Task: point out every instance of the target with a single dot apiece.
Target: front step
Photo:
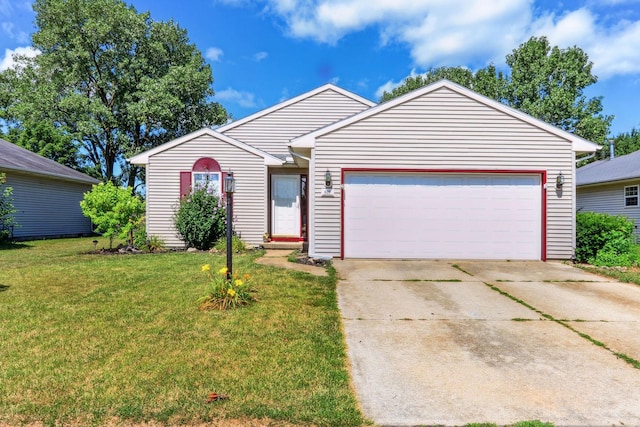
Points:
(285, 245)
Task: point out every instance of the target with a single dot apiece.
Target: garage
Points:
(480, 215)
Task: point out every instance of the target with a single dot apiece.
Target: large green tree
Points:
(113, 79)
(624, 143)
(543, 81)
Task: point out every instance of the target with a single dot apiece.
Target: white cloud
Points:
(9, 62)
(260, 56)
(468, 32)
(390, 85)
(244, 99)
(214, 54)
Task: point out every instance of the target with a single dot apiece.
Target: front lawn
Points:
(624, 274)
(95, 339)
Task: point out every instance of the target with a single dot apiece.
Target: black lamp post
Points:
(229, 189)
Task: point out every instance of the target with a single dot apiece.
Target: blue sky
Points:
(264, 51)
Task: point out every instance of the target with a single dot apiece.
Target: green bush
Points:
(200, 219)
(115, 211)
(605, 240)
(237, 245)
(7, 221)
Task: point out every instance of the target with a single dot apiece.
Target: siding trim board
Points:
(543, 191)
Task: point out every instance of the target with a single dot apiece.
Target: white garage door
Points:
(451, 216)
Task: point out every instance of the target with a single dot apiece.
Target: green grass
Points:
(86, 339)
(630, 275)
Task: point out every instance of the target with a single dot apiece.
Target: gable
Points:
(446, 107)
(272, 130)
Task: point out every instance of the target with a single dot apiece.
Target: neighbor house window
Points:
(631, 196)
(209, 180)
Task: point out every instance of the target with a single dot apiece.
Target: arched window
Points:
(205, 173)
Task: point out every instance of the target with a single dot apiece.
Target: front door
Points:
(285, 205)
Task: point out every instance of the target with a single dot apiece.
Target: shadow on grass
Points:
(9, 246)
(4, 287)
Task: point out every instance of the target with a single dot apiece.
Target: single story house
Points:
(611, 186)
(441, 172)
(46, 194)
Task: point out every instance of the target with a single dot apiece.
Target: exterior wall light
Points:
(327, 179)
(559, 181)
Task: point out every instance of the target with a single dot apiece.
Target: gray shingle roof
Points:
(616, 169)
(13, 157)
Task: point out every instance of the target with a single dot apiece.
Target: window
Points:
(209, 180)
(631, 196)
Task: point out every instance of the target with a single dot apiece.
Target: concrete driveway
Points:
(436, 343)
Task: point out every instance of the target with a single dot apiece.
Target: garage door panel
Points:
(442, 216)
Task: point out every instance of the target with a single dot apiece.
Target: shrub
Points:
(7, 221)
(115, 211)
(147, 243)
(225, 293)
(200, 219)
(237, 245)
(605, 240)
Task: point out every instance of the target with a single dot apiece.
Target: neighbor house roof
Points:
(608, 170)
(15, 158)
(578, 144)
(143, 158)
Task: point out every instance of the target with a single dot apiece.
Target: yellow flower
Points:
(231, 292)
(223, 270)
(246, 276)
(206, 267)
(239, 282)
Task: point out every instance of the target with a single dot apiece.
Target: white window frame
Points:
(634, 193)
(207, 178)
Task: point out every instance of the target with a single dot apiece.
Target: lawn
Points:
(94, 339)
(627, 275)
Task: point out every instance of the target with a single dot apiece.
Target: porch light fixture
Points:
(327, 179)
(559, 181)
(229, 189)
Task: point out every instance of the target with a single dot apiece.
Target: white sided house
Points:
(440, 172)
(46, 195)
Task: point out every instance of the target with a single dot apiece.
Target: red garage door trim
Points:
(543, 192)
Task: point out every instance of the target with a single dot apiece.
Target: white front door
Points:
(285, 205)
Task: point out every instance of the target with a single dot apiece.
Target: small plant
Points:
(225, 293)
(237, 245)
(605, 240)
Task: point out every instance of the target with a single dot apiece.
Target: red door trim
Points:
(541, 173)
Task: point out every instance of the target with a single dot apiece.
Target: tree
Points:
(48, 141)
(624, 143)
(486, 81)
(7, 221)
(114, 80)
(115, 211)
(547, 83)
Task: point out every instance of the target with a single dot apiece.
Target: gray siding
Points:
(273, 132)
(609, 199)
(442, 130)
(163, 187)
(47, 207)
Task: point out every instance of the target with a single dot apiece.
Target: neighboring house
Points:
(611, 186)
(46, 194)
(441, 172)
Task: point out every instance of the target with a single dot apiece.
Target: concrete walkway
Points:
(278, 258)
(431, 343)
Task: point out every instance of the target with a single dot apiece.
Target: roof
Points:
(16, 158)
(579, 145)
(143, 158)
(294, 100)
(608, 170)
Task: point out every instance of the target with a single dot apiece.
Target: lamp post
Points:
(229, 189)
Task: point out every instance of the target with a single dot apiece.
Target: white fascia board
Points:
(292, 101)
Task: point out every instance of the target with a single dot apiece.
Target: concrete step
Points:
(285, 245)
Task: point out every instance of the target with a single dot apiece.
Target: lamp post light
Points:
(229, 189)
